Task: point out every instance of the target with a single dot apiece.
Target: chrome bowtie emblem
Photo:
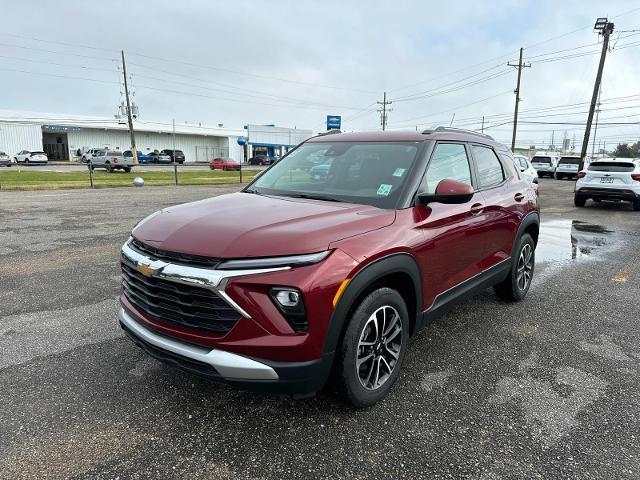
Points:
(147, 270)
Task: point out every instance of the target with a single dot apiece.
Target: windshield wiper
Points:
(312, 197)
(251, 190)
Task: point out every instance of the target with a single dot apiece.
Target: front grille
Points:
(178, 304)
(173, 257)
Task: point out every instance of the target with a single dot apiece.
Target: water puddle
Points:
(568, 240)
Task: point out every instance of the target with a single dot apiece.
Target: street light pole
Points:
(605, 27)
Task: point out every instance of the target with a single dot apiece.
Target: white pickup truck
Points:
(110, 160)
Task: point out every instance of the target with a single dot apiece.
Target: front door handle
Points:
(477, 208)
(518, 197)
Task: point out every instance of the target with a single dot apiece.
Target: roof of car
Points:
(615, 159)
(440, 133)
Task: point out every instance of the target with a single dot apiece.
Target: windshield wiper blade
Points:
(313, 197)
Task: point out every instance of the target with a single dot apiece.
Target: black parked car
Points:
(260, 160)
(179, 155)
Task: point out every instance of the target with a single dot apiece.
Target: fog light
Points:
(291, 304)
(288, 298)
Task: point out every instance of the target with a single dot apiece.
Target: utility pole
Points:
(134, 150)
(482, 128)
(595, 130)
(553, 136)
(175, 164)
(519, 66)
(606, 29)
(384, 111)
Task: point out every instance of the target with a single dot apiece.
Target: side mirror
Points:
(449, 192)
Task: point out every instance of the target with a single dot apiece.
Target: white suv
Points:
(609, 179)
(567, 167)
(524, 165)
(545, 164)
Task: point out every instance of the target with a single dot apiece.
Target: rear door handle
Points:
(518, 197)
(477, 208)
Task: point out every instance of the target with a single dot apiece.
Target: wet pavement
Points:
(545, 388)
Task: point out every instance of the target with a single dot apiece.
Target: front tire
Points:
(108, 168)
(515, 287)
(373, 348)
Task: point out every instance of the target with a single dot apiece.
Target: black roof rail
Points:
(457, 130)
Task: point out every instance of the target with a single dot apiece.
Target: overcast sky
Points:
(292, 63)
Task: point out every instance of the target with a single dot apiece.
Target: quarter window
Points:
(490, 171)
(449, 161)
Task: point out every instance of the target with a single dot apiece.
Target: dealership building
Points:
(62, 136)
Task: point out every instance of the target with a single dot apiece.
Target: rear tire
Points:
(375, 343)
(636, 205)
(127, 169)
(579, 201)
(515, 287)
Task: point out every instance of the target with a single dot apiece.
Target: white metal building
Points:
(61, 136)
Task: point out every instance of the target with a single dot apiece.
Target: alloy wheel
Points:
(379, 347)
(525, 266)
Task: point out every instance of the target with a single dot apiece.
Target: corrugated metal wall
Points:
(145, 141)
(15, 137)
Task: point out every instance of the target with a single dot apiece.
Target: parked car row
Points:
(550, 165)
(157, 156)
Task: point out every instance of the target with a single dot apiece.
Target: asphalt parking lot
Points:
(547, 388)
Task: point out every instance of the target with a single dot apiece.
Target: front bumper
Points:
(293, 378)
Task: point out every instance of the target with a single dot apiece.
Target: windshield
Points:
(570, 160)
(545, 160)
(370, 173)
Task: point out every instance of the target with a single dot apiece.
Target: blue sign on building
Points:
(334, 121)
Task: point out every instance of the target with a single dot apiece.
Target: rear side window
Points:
(611, 167)
(449, 161)
(490, 171)
(545, 160)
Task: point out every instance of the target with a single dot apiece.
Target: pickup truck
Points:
(111, 160)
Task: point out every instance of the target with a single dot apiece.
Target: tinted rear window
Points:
(570, 161)
(611, 167)
(546, 160)
(37, 153)
(113, 153)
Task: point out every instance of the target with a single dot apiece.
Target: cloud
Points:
(363, 48)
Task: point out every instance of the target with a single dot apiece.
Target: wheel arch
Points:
(531, 225)
(398, 271)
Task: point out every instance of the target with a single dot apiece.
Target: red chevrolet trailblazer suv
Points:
(300, 277)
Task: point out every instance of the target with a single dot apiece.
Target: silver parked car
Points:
(5, 160)
(111, 160)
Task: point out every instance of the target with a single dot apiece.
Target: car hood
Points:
(241, 225)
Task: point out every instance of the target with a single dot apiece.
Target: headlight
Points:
(270, 262)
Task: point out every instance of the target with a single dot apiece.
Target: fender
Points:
(394, 263)
(531, 218)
